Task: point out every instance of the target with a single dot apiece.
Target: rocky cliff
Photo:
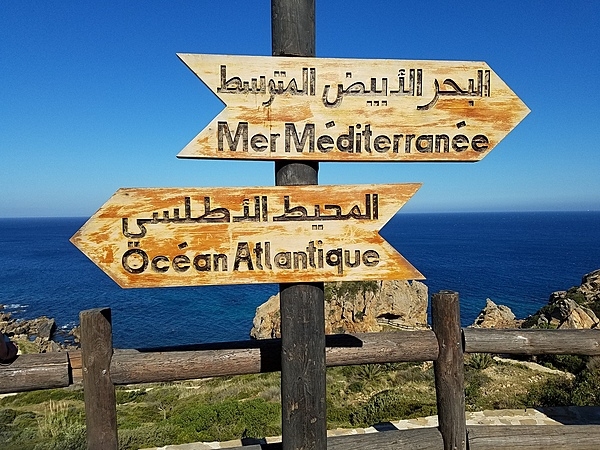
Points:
(578, 307)
(356, 307)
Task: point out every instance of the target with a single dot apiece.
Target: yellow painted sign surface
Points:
(208, 236)
(327, 109)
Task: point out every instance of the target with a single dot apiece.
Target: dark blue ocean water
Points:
(516, 259)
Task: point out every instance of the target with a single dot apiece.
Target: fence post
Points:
(304, 422)
(98, 389)
(449, 369)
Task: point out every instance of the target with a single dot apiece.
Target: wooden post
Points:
(98, 389)
(449, 369)
(304, 422)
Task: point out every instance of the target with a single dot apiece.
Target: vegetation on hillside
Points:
(225, 408)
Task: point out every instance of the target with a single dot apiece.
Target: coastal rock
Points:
(267, 323)
(37, 334)
(575, 308)
(495, 316)
(356, 307)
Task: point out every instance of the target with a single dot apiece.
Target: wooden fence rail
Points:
(102, 368)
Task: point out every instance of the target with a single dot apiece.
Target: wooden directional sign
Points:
(352, 110)
(187, 237)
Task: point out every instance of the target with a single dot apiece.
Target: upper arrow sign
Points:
(189, 237)
(352, 110)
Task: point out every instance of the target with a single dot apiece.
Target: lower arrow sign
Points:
(206, 236)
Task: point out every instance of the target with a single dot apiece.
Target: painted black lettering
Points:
(382, 144)
(243, 255)
(138, 262)
(300, 142)
(160, 264)
(181, 263)
(370, 258)
(460, 142)
(480, 143)
(241, 132)
(439, 139)
(259, 142)
(424, 143)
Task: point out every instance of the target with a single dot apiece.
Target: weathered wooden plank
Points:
(534, 437)
(303, 376)
(35, 371)
(245, 357)
(328, 109)
(448, 369)
(98, 389)
(191, 236)
(415, 439)
(532, 341)
(75, 366)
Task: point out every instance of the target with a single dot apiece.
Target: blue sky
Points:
(93, 97)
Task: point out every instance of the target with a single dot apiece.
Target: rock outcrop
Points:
(40, 332)
(357, 307)
(496, 316)
(576, 308)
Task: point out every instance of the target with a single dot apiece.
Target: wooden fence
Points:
(100, 368)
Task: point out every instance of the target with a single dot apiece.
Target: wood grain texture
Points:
(200, 236)
(35, 371)
(246, 357)
(532, 341)
(98, 388)
(448, 369)
(327, 109)
(416, 439)
(525, 437)
(303, 375)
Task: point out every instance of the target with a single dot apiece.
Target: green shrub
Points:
(7, 416)
(128, 396)
(369, 372)
(388, 405)
(577, 296)
(556, 391)
(474, 382)
(72, 437)
(155, 435)
(227, 420)
(586, 391)
(36, 397)
(569, 363)
(480, 361)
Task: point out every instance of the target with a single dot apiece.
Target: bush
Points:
(474, 382)
(228, 420)
(147, 436)
(389, 405)
(480, 361)
(555, 391)
(569, 363)
(36, 397)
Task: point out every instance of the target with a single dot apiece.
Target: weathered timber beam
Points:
(534, 437)
(415, 439)
(133, 366)
(35, 371)
(532, 341)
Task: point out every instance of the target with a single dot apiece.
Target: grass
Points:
(225, 408)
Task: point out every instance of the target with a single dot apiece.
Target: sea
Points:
(514, 258)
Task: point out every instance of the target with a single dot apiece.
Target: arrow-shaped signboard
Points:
(187, 237)
(326, 109)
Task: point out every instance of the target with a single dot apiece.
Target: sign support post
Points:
(303, 377)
